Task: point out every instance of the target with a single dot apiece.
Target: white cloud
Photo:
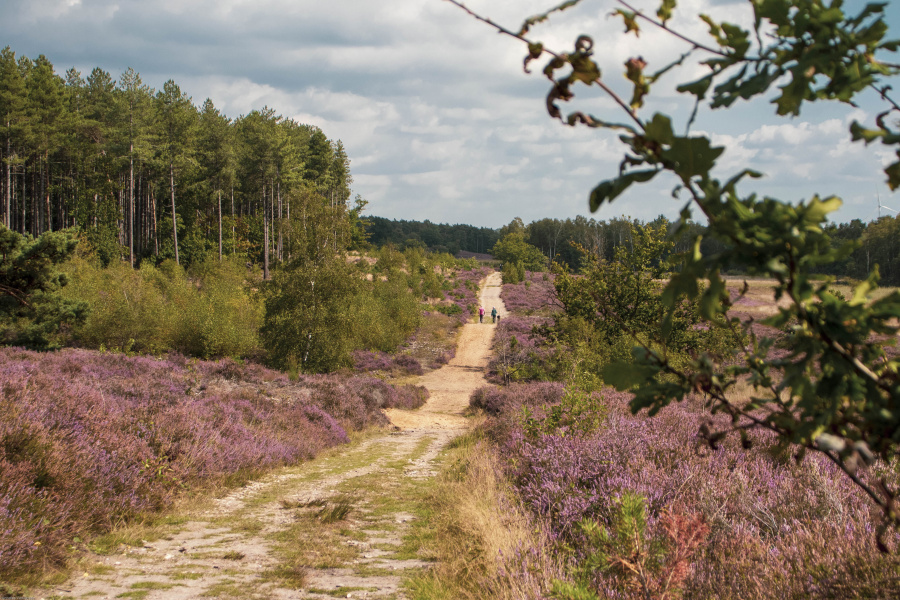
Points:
(437, 117)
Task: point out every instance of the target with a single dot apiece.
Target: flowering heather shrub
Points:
(507, 401)
(364, 360)
(523, 330)
(444, 358)
(402, 364)
(408, 364)
(88, 440)
(233, 370)
(536, 294)
(518, 352)
(776, 528)
(464, 292)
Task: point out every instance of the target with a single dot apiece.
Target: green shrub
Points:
(128, 311)
(385, 314)
(33, 312)
(157, 309)
(513, 272)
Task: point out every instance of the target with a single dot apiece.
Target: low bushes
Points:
(209, 312)
(535, 294)
(521, 352)
(89, 439)
(464, 292)
(647, 495)
(399, 364)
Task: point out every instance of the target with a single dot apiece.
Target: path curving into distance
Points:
(271, 538)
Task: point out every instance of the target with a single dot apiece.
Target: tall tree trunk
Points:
(7, 214)
(265, 235)
(45, 191)
(154, 223)
(121, 214)
(23, 206)
(233, 243)
(220, 225)
(35, 199)
(174, 220)
(131, 204)
(280, 223)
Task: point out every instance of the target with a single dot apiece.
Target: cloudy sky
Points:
(436, 114)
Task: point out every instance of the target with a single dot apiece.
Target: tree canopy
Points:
(146, 173)
(836, 391)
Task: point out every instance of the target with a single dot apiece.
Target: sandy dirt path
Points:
(333, 527)
(452, 385)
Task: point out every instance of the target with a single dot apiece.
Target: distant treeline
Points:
(433, 236)
(878, 242)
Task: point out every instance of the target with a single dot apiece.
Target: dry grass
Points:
(475, 523)
(436, 335)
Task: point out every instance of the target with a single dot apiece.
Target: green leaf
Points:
(690, 157)
(861, 293)
(697, 88)
(659, 129)
(624, 376)
(710, 301)
(858, 132)
(608, 190)
(665, 10)
(819, 209)
(893, 173)
(629, 19)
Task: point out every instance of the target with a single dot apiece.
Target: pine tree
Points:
(46, 111)
(12, 115)
(216, 154)
(176, 126)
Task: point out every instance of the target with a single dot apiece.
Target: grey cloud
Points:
(438, 119)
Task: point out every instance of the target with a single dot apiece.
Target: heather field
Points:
(693, 521)
(463, 291)
(535, 295)
(641, 507)
(91, 440)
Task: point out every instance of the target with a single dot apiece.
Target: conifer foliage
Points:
(147, 173)
(30, 312)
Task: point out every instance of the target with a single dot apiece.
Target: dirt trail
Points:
(452, 385)
(332, 527)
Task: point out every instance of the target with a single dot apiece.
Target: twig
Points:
(618, 100)
(682, 37)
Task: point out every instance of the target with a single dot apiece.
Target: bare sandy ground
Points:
(452, 385)
(228, 548)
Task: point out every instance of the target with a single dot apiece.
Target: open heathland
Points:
(90, 440)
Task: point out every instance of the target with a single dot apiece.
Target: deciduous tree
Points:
(837, 391)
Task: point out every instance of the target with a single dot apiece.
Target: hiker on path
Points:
(494, 315)
(481, 314)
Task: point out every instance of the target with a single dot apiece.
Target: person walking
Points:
(494, 315)
(481, 314)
